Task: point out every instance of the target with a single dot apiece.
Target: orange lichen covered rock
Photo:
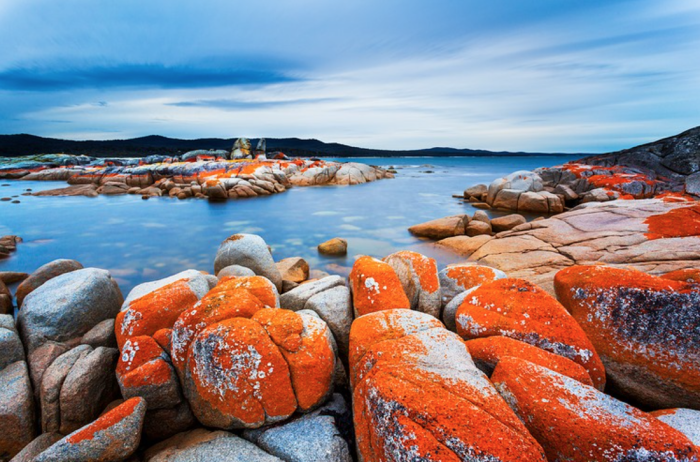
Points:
(678, 222)
(487, 352)
(576, 422)
(691, 275)
(114, 436)
(420, 397)
(163, 337)
(306, 344)
(245, 373)
(419, 277)
(519, 309)
(144, 370)
(645, 329)
(455, 280)
(156, 305)
(259, 286)
(383, 326)
(218, 305)
(375, 287)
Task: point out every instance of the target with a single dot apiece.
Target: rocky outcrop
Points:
(645, 329)
(418, 396)
(654, 236)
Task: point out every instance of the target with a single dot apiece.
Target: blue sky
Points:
(566, 75)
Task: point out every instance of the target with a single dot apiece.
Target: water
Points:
(138, 240)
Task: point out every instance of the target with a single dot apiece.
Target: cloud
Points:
(135, 76)
(232, 104)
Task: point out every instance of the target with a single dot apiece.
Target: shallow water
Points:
(142, 240)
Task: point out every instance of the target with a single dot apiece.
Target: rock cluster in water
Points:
(216, 175)
(402, 361)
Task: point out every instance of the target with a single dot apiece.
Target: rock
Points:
(36, 447)
(297, 298)
(113, 437)
(317, 274)
(455, 279)
(113, 188)
(507, 222)
(476, 191)
(481, 216)
(375, 287)
(691, 275)
(293, 269)
(692, 184)
(565, 191)
(51, 383)
(334, 247)
(203, 445)
(487, 352)
(477, 228)
(10, 343)
(576, 422)
(6, 306)
(520, 310)
(686, 421)
(145, 370)
(441, 228)
(241, 149)
(419, 278)
(66, 307)
(507, 199)
(88, 388)
(160, 424)
(245, 373)
(614, 233)
(532, 202)
(235, 271)
(417, 395)
(315, 437)
(464, 245)
(334, 306)
(644, 328)
(87, 190)
(16, 409)
(10, 277)
(152, 306)
(43, 274)
(520, 181)
(101, 335)
(250, 251)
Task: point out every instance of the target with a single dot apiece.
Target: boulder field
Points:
(403, 360)
(214, 175)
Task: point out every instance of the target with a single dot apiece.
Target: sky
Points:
(545, 75)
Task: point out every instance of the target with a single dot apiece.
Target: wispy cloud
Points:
(232, 104)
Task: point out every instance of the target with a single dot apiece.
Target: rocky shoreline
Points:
(213, 175)
(400, 360)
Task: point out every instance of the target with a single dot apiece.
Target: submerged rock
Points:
(334, 247)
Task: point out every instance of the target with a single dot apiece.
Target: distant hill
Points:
(20, 145)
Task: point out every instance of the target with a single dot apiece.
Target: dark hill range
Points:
(20, 145)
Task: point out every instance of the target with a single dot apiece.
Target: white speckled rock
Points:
(419, 278)
(296, 298)
(334, 306)
(251, 251)
(455, 279)
(686, 421)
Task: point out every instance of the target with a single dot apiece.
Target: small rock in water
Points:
(335, 247)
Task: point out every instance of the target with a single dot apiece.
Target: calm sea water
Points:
(138, 240)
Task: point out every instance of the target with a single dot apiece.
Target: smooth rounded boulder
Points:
(420, 397)
(247, 372)
(156, 305)
(43, 274)
(419, 277)
(250, 251)
(112, 437)
(457, 279)
(576, 422)
(66, 307)
(645, 329)
(375, 287)
(519, 309)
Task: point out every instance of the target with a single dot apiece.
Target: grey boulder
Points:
(251, 251)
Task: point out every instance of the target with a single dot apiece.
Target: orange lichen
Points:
(164, 338)
(154, 311)
(488, 352)
(306, 346)
(691, 275)
(425, 269)
(575, 422)
(468, 276)
(240, 372)
(382, 326)
(645, 322)
(376, 287)
(141, 363)
(108, 420)
(519, 309)
(407, 408)
(259, 286)
(217, 305)
(680, 222)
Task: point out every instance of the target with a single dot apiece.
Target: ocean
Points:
(142, 240)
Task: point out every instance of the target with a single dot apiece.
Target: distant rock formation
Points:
(241, 149)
